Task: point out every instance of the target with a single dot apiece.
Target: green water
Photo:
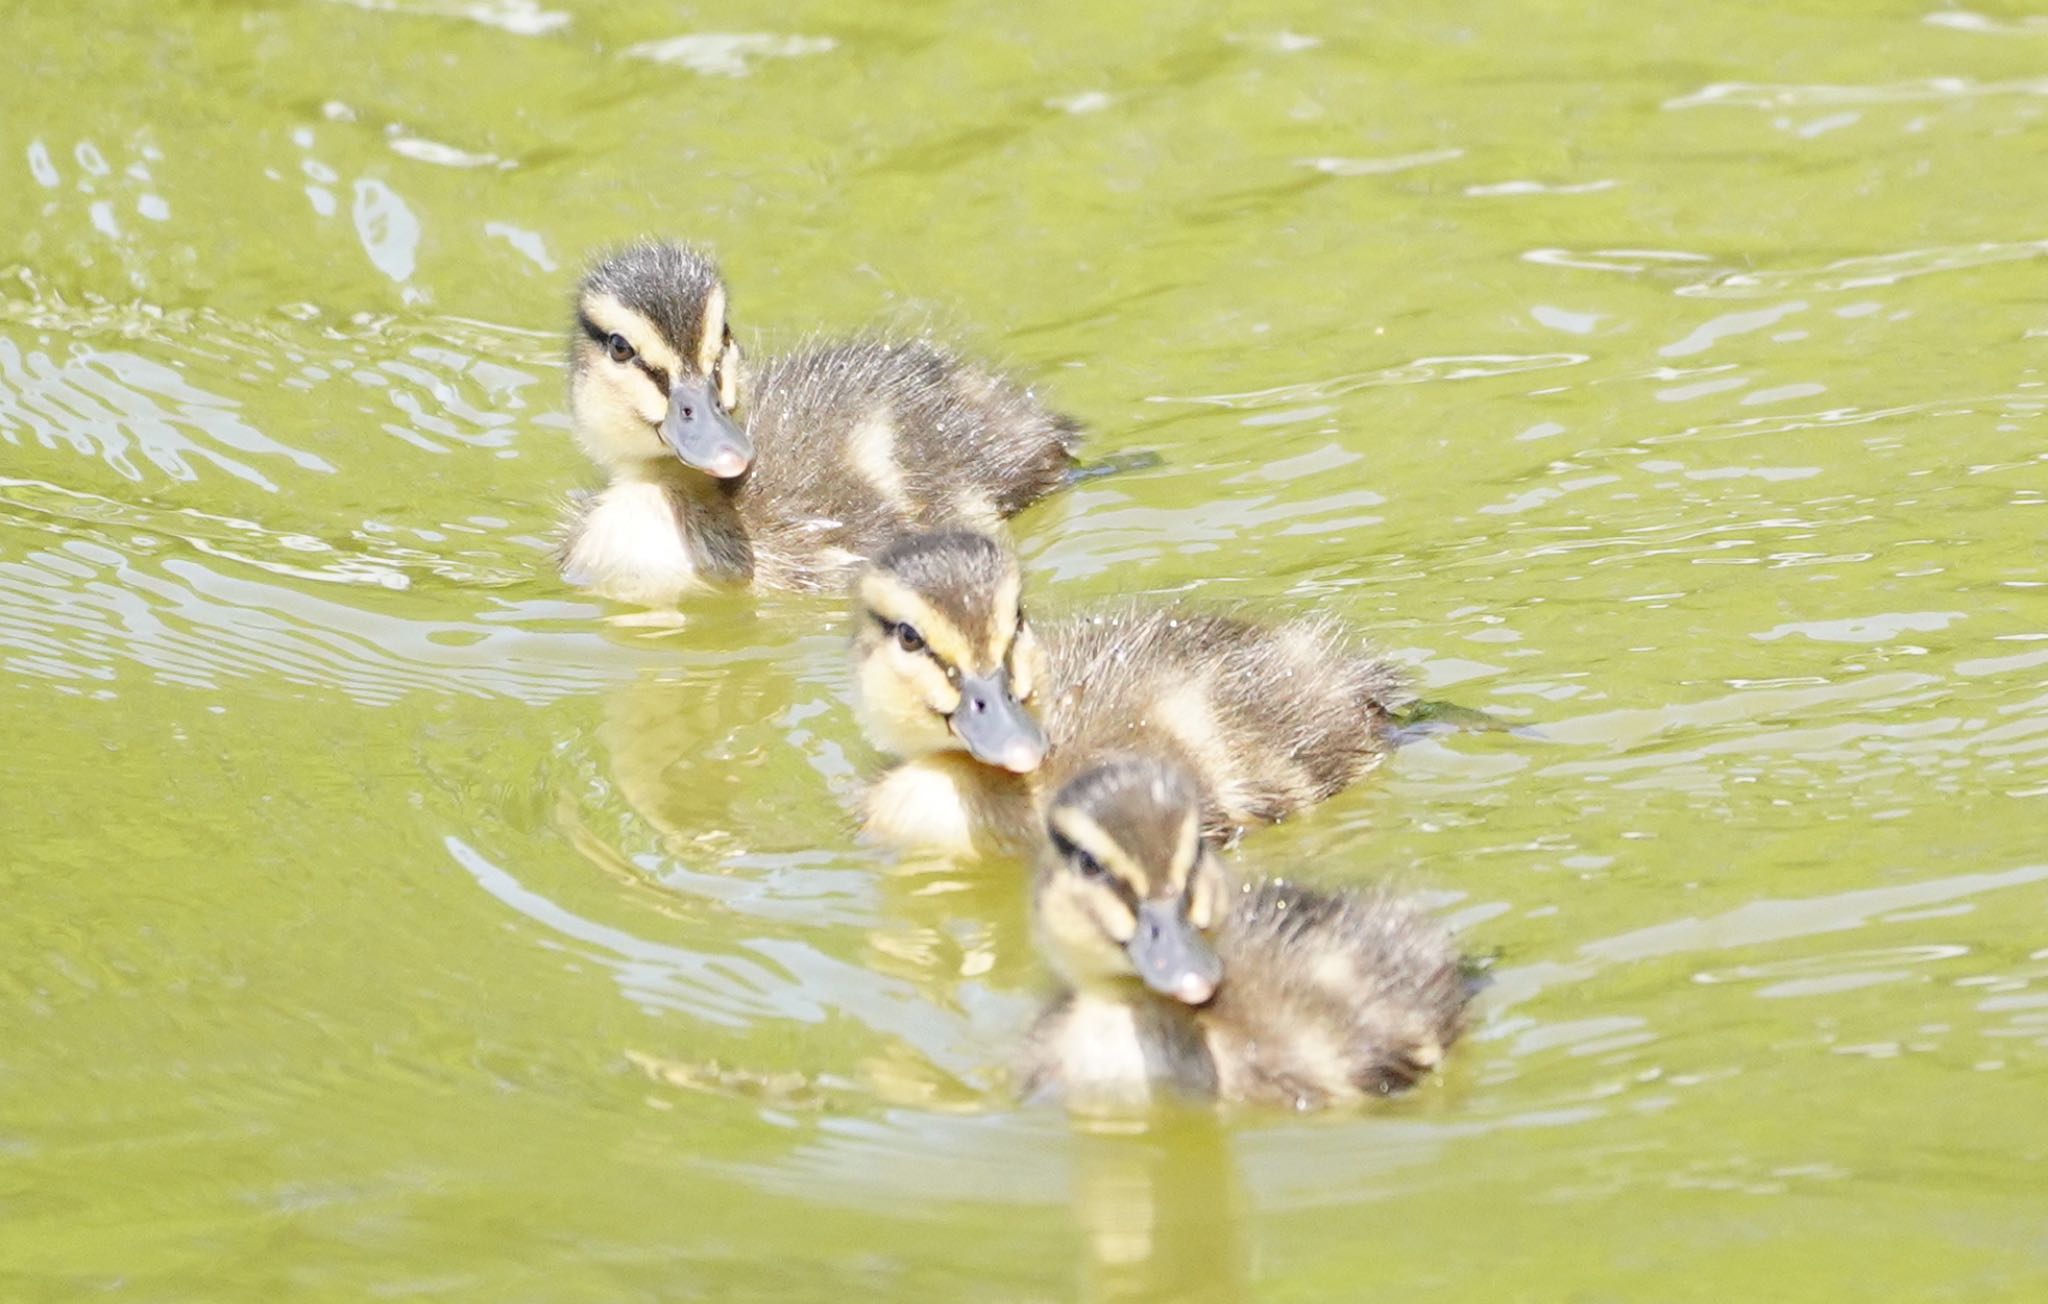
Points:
(381, 923)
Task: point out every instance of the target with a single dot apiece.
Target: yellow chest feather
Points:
(630, 547)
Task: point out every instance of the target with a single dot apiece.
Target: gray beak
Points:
(994, 725)
(700, 432)
(1172, 956)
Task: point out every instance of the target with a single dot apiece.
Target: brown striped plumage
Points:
(1269, 717)
(1270, 993)
(853, 444)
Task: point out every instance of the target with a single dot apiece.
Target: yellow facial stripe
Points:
(1112, 913)
(1085, 833)
(922, 676)
(1187, 849)
(711, 331)
(890, 600)
(1080, 917)
(1003, 631)
(615, 318)
(729, 376)
(1205, 891)
(1025, 661)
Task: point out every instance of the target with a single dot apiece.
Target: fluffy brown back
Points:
(864, 441)
(1330, 995)
(1269, 718)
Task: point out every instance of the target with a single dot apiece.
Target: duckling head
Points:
(943, 658)
(654, 373)
(1127, 889)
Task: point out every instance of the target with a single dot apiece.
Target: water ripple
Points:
(70, 612)
(1831, 418)
(519, 17)
(1373, 167)
(1961, 20)
(781, 979)
(1668, 262)
(1765, 95)
(117, 405)
(372, 556)
(1865, 272)
(1476, 366)
(448, 381)
(1758, 923)
(727, 54)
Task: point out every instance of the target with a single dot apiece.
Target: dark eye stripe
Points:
(1124, 891)
(889, 628)
(888, 625)
(659, 375)
(1068, 850)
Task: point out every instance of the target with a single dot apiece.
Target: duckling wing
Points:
(1270, 718)
(1332, 995)
(907, 435)
(977, 427)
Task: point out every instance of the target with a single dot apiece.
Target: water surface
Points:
(384, 923)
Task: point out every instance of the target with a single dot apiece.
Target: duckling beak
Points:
(994, 725)
(700, 432)
(1172, 956)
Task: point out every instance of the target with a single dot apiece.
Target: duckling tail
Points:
(1115, 464)
(1426, 718)
(1475, 971)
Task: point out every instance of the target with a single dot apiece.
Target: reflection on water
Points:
(1763, 96)
(117, 405)
(1161, 1210)
(1865, 272)
(1420, 371)
(71, 611)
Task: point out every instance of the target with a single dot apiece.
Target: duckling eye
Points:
(1084, 863)
(620, 350)
(908, 639)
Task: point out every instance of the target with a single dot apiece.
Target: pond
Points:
(385, 921)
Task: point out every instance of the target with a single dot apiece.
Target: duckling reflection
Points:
(787, 479)
(949, 673)
(1161, 1209)
(712, 792)
(1174, 984)
(705, 757)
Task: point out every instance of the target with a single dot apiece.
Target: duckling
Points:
(1176, 984)
(783, 479)
(1268, 718)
